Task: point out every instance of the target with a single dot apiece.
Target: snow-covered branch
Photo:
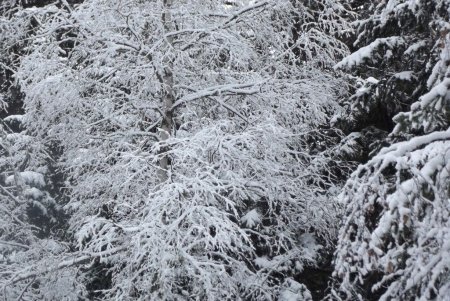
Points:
(222, 90)
(75, 260)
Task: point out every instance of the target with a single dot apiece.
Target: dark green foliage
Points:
(392, 242)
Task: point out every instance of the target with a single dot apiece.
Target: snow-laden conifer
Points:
(394, 242)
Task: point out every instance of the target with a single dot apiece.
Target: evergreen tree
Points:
(394, 242)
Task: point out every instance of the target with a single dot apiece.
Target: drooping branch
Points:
(14, 244)
(24, 275)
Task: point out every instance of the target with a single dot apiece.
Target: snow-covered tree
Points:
(394, 241)
(396, 45)
(184, 127)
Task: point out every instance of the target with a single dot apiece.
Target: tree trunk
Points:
(168, 95)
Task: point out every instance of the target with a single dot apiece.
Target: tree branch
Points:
(223, 104)
(64, 264)
(14, 244)
(223, 90)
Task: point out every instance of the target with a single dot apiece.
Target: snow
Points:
(400, 149)
(404, 75)
(372, 80)
(361, 55)
(17, 118)
(251, 219)
(414, 47)
(263, 262)
(294, 291)
(33, 192)
(18, 138)
(440, 90)
(29, 177)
